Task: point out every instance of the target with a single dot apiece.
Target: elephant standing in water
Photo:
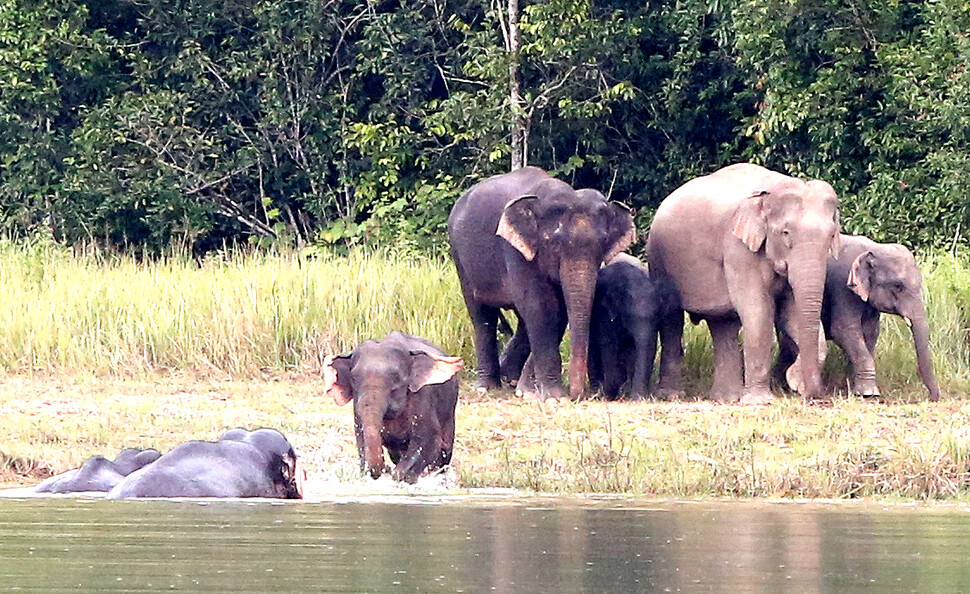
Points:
(98, 473)
(259, 463)
(526, 241)
(866, 279)
(733, 242)
(405, 391)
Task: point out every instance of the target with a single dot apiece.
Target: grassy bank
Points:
(102, 352)
(689, 449)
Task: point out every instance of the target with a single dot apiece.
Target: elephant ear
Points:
(519, 227)
(750, 221)
(624, 232)
(429, 368)
(336, 378)
(860, 275)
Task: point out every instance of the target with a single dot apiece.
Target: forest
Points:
(151, 125)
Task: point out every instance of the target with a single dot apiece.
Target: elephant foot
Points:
(793, 376)
(758, 397)
(725, 396)
(540, 394)
(487, 384)
(867, 389)
(669, 394)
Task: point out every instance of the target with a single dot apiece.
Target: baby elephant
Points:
(259, 463)
(628, 309)
(98, 473)
(405, 391)
(866, 279)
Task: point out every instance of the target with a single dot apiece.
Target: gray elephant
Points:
(528, 242)
(97, 473)
(404, 391)
(628, 309)
(733, 242)
(242, 463)
(866, 279)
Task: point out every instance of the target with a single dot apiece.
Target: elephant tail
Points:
(503, 325)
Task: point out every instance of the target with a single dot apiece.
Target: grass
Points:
(101, 352)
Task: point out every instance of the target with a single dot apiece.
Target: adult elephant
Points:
(97, 473)
(404, 391)
(527, 241)
(867, 279)
(733, 242)
(242, 463)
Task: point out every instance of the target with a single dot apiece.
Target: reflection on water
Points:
(475, 545)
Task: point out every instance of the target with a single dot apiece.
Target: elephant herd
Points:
(752, 252)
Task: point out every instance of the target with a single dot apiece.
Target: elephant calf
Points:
(98, 473)
(867, 278)
(628, 309)
(242, 463)
(404, 391)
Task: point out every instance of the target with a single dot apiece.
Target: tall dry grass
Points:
(246, 313)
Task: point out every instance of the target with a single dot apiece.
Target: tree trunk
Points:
(519, 136)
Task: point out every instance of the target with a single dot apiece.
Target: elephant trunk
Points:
(924, 360)
(807, 277)
(370, 422)
(578, 279)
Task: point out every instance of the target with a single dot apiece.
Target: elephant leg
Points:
(614, 373)
(870, 330)
(853, 340)
(526, 386)
(515, 353)
(670, 382)
(644, 352)
(757, 317)
(423, 451)
(485, 320)
(545, 318)
(787, 353)
(728, 382)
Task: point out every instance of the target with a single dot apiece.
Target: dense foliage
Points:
(147, 124)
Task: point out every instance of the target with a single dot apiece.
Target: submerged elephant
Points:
(259, 463)
(866, 279)
(526, 241)
(404, 391)
(98, 473)
(733, 242)
(628, 310)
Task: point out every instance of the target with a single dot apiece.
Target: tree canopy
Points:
(147, 124)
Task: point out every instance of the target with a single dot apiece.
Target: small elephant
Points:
(404, 391)
(733, 242)
(98, 473)
(628, 309)
(866, 279)
(528, 242)
(242, 463)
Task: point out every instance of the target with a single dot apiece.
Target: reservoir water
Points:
(479, 544)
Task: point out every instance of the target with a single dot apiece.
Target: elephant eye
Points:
(786, 237)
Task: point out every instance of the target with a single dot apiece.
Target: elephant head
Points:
(796, 224)
(282, 460)
(379, 377)
(567, 234)
(889, 279)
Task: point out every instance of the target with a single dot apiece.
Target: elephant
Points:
(628, 308)
(405, 390)
(242, 463)
(531, 243)
(97, 473)
(867, 279)
(732, 242)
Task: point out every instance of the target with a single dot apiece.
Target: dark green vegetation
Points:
(149, 124)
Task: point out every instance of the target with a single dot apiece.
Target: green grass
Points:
(101, 352)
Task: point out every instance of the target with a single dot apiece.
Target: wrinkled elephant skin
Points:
(868, 278)
(531, 243)
(404, 391)
(733, 242)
